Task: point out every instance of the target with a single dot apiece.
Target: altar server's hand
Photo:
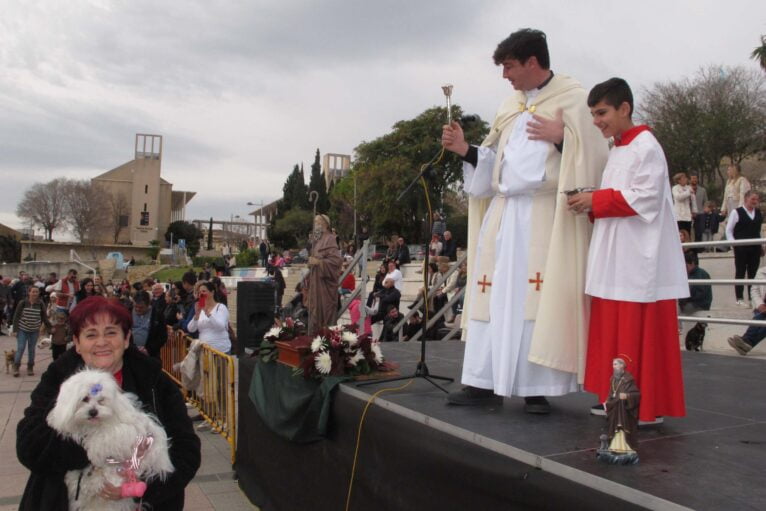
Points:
(549, 130)
(581, 203)
(453, 139)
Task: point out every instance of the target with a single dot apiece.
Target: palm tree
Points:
(759, 53)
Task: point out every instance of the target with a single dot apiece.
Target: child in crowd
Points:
(707, 222)
(635, 270)
(60, 335)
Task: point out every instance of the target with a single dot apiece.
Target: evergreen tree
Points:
(317, 183)
(295, 192)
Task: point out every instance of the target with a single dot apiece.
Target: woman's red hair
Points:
(86, 311)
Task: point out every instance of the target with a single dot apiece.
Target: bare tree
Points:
(85, 208)
(43, 205)
(717, 117)
(119, 210)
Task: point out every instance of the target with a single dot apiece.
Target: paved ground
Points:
(212, 489)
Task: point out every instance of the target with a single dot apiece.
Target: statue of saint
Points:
(325, 264)
(622, 417)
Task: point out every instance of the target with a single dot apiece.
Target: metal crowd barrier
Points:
(216, 397)
(217, 400)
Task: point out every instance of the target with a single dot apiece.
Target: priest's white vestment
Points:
(521, 181)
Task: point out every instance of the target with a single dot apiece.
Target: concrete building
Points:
(335, 167)
(141, 203)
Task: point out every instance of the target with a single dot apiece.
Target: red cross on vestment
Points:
(536, 281)
(484, 283)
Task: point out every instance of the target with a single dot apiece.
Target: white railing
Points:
(724, 282)
(360, 260)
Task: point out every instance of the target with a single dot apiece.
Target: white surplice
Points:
(496, 351)
(638, 258)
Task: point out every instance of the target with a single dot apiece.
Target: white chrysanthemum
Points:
(358, 357)
(350, 338)
(274, 332)
(316, 344)
(323, 363)
(376, 351)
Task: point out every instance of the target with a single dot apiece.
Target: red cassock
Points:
(642, 330)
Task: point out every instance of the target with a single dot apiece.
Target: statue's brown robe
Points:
(323, 283)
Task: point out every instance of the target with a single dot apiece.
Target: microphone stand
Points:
(421, 371)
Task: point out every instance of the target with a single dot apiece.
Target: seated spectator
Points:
(348, 256)
(700, 296)
(387, 296)
(754, 334)
(349, 283)
(707, 223)
(449, 247)
(435, 247)
(390, 321)
(413, 326)
(395, 275)
(378, 284)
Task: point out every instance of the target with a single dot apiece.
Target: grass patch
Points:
(174, 274)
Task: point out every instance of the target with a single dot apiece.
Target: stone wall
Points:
(56, 252)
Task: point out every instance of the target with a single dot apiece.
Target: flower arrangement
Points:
(338, 351)
(288, 330)
(334, 351)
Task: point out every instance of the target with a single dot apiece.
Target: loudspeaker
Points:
(255, 312)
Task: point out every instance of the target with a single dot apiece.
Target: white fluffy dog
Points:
(92, 410)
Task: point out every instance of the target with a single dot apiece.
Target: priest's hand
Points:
(549, 130)
(453, 139)
(581, 203)
(313, 261)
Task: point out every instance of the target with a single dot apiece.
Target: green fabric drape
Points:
(293, 407)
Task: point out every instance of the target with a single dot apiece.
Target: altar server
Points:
(636, 268)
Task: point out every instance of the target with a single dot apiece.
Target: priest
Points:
(636, 268)
(325, 264)
(526, 312)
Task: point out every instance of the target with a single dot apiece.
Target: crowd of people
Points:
(197, 304)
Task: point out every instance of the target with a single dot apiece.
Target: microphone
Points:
(466, 119)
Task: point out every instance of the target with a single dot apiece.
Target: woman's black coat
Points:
(49, 457)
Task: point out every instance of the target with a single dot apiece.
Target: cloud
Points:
(242, 91)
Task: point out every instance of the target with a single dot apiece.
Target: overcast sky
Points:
(241, 91)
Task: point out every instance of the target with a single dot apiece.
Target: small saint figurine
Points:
(622, 418)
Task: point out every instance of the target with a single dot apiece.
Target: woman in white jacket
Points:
(736, 187)
(683, 202)
(211, 319)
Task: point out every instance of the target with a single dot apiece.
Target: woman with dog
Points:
(101, 333)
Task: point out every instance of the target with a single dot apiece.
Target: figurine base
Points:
(613, 458)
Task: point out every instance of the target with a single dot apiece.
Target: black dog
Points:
(695, 337)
